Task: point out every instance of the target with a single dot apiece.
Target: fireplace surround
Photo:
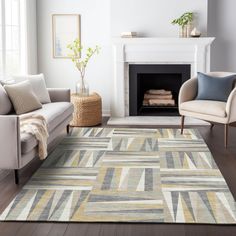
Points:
(153, 51)
(146, 77)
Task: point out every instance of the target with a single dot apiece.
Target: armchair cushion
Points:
(213, 108)
(215, 88)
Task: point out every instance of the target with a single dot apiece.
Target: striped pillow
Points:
(22, 97)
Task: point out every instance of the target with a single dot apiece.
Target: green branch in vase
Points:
(76, 50)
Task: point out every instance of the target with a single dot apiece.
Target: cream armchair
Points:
(211, 111)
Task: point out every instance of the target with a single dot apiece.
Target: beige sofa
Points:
(212, 111)
(16, 149)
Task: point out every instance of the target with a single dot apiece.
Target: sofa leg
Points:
(226, 135)
(16, 172)
(182, 124)
(68, 129)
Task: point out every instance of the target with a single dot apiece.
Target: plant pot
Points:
(183, 31)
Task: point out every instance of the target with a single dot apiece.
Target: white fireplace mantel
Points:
(193, 51)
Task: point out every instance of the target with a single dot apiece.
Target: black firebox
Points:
(145, 78)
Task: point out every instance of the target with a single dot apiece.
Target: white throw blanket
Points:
(36, 125)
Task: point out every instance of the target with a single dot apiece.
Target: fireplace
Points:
(154, 89)
(128, 54)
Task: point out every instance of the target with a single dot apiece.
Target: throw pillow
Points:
(38, 85)
(23, 97)
(5, 103)
(7, 82)
(215, 88)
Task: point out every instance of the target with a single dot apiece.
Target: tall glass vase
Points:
(82, 88)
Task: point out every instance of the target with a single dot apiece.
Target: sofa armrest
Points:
(231, 107)
(10, 146)
(59, 95)
(188, 91)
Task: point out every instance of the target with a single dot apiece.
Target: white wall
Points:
(152, 18)
(102, 19)
(31, 21)
(222, 26)
(95, 23)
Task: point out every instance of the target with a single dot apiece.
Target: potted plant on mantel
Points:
(184, 22)
(82, 88)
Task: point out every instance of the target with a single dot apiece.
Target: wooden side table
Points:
(87, 110)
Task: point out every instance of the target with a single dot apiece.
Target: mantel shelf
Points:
(169, 40)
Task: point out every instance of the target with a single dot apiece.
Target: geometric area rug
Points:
(127, 175)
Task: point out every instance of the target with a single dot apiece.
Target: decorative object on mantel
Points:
(185, 23)
(82, 88)
(195, 33)
(88, 110)
(129, 34)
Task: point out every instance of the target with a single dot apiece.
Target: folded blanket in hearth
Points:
(36, 125)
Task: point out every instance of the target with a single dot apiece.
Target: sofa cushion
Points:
(28, 142)
(55, 114)
(38, 84)
(23, 97)
(5, 103)
(215, 88)
(213, 108)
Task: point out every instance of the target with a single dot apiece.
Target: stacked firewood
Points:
(158, 97)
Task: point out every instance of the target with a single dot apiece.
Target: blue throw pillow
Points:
(215, 88)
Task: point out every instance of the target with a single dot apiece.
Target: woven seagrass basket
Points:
(87, 110)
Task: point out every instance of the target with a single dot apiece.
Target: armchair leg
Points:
(68, 129)
(16, 172)
(182, 124)
(226, 135)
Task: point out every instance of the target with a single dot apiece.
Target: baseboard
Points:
(106, 113)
